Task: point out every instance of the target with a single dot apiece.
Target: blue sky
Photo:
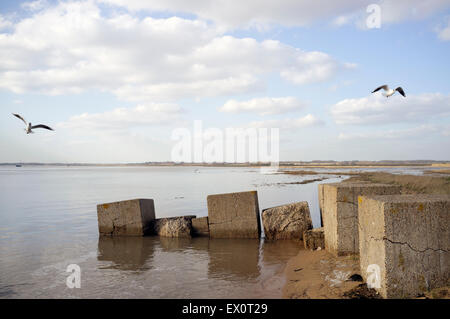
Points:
(115, 78)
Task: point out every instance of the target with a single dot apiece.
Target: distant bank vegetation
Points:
(411, 184)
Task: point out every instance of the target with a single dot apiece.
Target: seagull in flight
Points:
(30, 127)
(389, 92)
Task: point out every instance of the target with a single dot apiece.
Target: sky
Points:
(115, 78)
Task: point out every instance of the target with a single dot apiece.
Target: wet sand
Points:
(319, 275)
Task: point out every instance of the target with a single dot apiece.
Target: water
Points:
(48, 220)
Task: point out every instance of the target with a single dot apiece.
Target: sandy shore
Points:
(318, 274)
(321, 275)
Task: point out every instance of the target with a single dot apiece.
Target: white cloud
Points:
(4, 23)
(302, 73)
(395, 11)
(121, 119)
(259, 13)
(71, 47)
(34, 5)
(444, 33)
(419, 131)
(289, 123)
(247, 13)
(377, 109)
(263, 106)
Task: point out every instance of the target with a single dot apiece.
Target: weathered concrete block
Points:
(173, 227)
(234, 215)
(320, 186)
(340, 213)
(314, 238)
(408, 237)
(126, 218)
(200, 226)
(286, 221)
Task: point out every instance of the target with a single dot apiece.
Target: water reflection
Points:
(126, 253)
(233, 259)
(190, 268)
(224, 259)
(274, 251)
(174, 244)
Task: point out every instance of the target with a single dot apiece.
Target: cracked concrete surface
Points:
(412, 248)
(408, 237)
(340, 213)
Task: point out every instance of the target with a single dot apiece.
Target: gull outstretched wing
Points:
(400, 90)
(42, 126)
(20, 117)
(384, 87)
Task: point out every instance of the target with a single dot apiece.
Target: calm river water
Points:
(48, 220)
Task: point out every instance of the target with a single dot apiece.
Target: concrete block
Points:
(126, 218)
(408, 238)
(314, 238)
(234, 215)
(340, 213)
(200, 226)
(286, 221)
(178, 227)
(320, 186)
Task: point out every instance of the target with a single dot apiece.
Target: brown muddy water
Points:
(48, 221)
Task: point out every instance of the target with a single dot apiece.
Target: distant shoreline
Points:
(287, 164)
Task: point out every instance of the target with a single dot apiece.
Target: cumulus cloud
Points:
(123, 118)
(262, 13)
(377, 109)
(71, 47)
(289, 123)
(263, 106)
